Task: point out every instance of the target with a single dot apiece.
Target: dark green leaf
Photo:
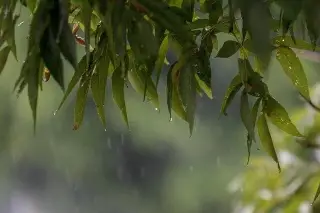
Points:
(98, 86)
(232, 90)
(188, 7)
(118, 93)
(287, 41)
(67, 45)
(50, 53)
(204, 87)
(198, 24)
(187, 90)
(228, 49)
(279, 117)
(4, 53)
(81, 100)
(246, 115)
(266, 139)
(292, 66)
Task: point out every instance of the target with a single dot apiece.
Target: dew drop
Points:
(290, 67)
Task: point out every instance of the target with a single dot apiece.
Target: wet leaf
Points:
(246, 115)
(298, 44)
(187, 90)
(67, 45)
(232, 90)
(204, 87)
(75, 79)
(137, 77)
(292, 66)
(228, 49)
(118, 93)
(81, 100)
(317, 194)
(279, 117)
(98, 86)
(161, 57)
(266, 139)
(4, 53)
(50, 53)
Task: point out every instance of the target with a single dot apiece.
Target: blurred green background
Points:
(154, 167)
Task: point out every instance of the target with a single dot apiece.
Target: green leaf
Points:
(254, 111)
(50, 53)
(33, 83)
(266, 139)
(4, 53)
(187, 90)
(228, 49)
(169, 89)
(247, 120)
(137, 77)
(67, 45)
(316, 195)
(292, 66)
(205, 88)
(198, 24)
(298, 44)
(86, 16)
(75, 79)
(188, 7)
(232, 90)
(98, 86)
(279, 117)
(81, 101)
(246, 115)
(118, 93)
(161, 57)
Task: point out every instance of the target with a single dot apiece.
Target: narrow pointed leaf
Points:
(246, 115)
(118, 93)
(4, 53)
(81, 100)
(75, 79)
(266, 139)
(67, 45)
(98, 86)
(232, 90)
(161, 57)
(317, 194)
(292, 66)
(279, 117)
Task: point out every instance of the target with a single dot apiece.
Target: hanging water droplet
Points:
(105, 130)
(170, 119)
(55, 112)
(156, 109)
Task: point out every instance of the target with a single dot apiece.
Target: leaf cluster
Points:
(127, 41)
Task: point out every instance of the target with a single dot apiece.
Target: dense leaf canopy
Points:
(127, 41)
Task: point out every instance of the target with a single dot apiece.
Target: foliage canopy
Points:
(127, 41)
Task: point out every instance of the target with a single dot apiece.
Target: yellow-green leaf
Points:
(292, 66)
(317, 194)
(279, 117)
(266, 139)
(161, 57)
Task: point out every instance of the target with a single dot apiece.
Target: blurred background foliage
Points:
(154, 167)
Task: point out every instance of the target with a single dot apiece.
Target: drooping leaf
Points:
(161, 57)
(50, 53)
(317, 194)
(266, 139)
(188, 7)
(292, 66)
(98, 86)
(311, 12)
(279, 117)
(81, 100)
(75, 79)
(4, 53)
(298, 44)
(255, 110)
(137, 77)
(118, 93)
(228, 49)
(232, 90)
(187, 90)
(204, 87)
(246, 115)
